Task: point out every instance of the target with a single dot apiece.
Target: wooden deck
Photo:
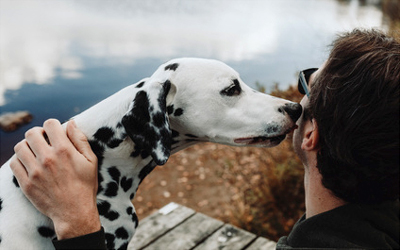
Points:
(177, 227)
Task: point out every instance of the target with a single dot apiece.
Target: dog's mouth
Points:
(264, 140)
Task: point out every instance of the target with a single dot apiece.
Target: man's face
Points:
(298, 134)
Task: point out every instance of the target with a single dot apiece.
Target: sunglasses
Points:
(304, 77)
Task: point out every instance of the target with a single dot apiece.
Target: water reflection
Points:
(89, 49)
(40, 39)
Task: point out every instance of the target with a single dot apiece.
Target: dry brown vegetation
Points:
(258, 189)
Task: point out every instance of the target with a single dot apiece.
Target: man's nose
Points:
(293, 110)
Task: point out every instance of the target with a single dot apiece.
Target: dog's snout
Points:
(294, 110)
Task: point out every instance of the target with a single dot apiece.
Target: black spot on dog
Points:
(159, 119)
(110, 238)
(104, 210)
(15, 181)
(178, 112)
(140, 109)
(175, 133)
(114, 143)
(272, 129)
(135, 153)
(98, 151)
(146, 170)
(126, 184)
(140, 84)
(123, 246)
(136, 123)
(100, 179)
(170, 109)
(103, 207)
(111, 189)
(1, 202)
(145, 128)
(104, 134)
(121, 233)
(135, 220)
(144, 154)
(132, 196)
(166, 140)
(114, 173)
(129, 210)
(192, 136)
(46, 232)
(172, 67)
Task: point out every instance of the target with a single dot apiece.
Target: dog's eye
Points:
(232, 90)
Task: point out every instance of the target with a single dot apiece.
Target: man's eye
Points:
(232, 90)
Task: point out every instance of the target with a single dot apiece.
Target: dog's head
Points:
(207, 100)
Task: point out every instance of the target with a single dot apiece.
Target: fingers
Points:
(55, 133)
(80, 141)
(24, 157)
(36, 149)
(18, 170)
(36, 140)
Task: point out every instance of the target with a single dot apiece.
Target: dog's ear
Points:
(147, 122)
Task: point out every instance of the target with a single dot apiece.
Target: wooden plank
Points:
(227, 237)
(262, 243)
(188, 234)
(159, 223)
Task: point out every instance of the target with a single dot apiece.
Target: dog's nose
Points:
(294, 110)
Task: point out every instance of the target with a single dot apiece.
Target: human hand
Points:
(57, 171)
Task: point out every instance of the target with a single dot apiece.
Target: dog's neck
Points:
(182, 140)
(120, 161)
(125, 166)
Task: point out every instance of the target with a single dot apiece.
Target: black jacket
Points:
(348, 226)
(90, 241)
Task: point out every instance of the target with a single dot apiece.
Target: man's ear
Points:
(311, 136)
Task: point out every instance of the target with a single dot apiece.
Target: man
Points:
(348, 140)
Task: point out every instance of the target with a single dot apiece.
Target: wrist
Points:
(78, 225)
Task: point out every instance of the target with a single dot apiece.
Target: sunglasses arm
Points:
(304, 84)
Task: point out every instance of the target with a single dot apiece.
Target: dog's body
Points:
(184, 102)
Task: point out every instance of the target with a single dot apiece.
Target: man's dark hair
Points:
(355, 102)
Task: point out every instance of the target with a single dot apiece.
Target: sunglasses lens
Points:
(306, 73)
(300, 88)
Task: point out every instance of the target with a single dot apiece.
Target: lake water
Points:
(58, 58)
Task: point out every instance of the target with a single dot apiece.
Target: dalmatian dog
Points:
(186, 101)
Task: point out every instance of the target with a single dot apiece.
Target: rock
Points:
(11, 121)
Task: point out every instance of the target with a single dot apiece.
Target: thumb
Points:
(80, 141)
